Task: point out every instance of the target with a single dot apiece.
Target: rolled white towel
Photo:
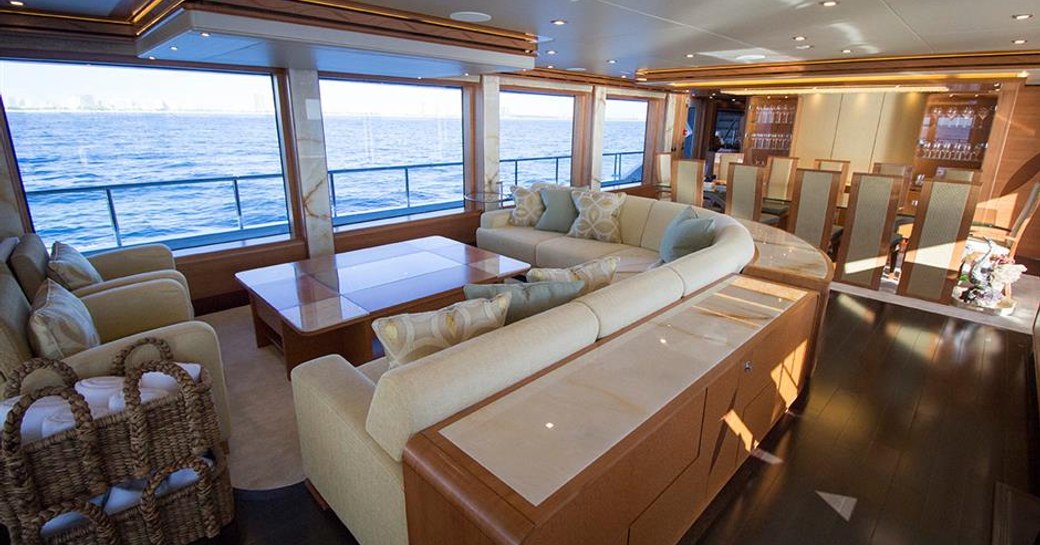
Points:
(184, 477)
(98, 390)
(162, 381)
(32, 421)
(116, 403)
(62, 420)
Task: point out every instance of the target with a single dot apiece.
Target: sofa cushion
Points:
(69, 268)
(527, 299)
(375, 369)
(595, 274)
(634, 213)
(528, 207)
(29, 263)
(60, 324)
(686, 234)
(409, 337)
(623, 303)
(568, 252)
(598, 213)
(413, 397)
(559, 212)
(635, 260)
(516, 242)
(14, 321)
(661, 214)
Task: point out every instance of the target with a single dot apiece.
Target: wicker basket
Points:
(61, 473)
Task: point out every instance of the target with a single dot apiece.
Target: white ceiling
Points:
(659, 33)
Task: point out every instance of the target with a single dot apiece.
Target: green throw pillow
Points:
(528, 299)
(560, 211)
(686, 234)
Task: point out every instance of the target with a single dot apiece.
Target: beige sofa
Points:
(354, 422)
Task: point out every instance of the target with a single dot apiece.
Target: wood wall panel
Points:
(1021, 144)
(897, 128)
(814, 128)
(857, 129)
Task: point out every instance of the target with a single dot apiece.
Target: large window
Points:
(114, 156)
(393, 149)
(624, 139)
(535, 138)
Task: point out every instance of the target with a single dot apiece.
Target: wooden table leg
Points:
(353, 342)
(259, 327)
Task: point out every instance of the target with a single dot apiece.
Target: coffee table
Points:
(326, 305)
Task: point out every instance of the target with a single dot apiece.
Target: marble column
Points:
(671, 105)
(10, 194)
(599, 112)
(488, 127)
(313, 171)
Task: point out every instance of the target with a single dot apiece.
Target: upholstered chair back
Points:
(744, 191)
(836, 165)
(663, 166)
(688, 181)
(780, 172)
(957, 174)
(902, 170)
(812, 210)
(868, 229)
(936, 246)
(722, 164)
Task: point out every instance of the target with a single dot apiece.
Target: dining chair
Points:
(722, 164)
(902, 170)
(813, 205)
(936, 248)
(688, 181)
(780, 174)
(836, 165)
(867, 234)
(663, 164)
(744, 191)
(1009, 238)
(957, 174)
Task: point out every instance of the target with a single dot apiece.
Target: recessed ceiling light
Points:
(151, 58)
(690, 55)
(611, 61)
(558, 22)
(418, 77)
(204, 34)
(470, 16)
(846, 51)
(803, 46)
(1019, 41)
(550, 66)
(799, 38)
(624, 76)
(829, 3)
(1022, 16)
(550, 52)
(173, 48)
(17, 3)
(640, 79)
(466, 74)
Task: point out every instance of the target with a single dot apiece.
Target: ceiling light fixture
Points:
(624, 76)
(558, 22)
(1019, 41)
(17, 3)
(204, 34)
(838, 90)
(550, 52)
(550, 66)
(690, 55)
(799, 38)
(470, 16)
(173, 48)
(1022, 16)
(804, 46)
(846, 51)
(611, 61)
(640, 79)
(829, 3)
(151, 58)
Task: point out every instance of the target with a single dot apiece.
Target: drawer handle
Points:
(747, 366)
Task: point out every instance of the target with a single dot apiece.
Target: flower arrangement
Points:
(987, 283)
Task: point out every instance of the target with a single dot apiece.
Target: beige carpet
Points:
(265, 448)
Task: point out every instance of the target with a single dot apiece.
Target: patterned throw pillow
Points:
(60, 324)
(69, 268)
(598, 213)
(528, 299)
(596, 273)
(529, 207)
(409, 337)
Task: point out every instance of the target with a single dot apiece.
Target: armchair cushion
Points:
(69, 268)
(127, 310)
(120, 281)
(60, 324)
(134, 260)
(14, 320)
(29, 263)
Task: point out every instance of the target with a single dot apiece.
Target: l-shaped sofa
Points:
(354, 422)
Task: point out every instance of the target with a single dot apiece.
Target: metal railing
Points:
(388, 209)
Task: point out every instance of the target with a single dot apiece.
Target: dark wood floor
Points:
(912, 416)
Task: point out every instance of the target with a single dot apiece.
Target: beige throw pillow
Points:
(598, 215)
(60, 324)
(409, 337)
(529, 207)
(596, 273)
(69, 268)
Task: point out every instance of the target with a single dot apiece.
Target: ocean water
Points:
(62, 150)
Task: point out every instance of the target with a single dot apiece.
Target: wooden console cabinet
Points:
(697, 402)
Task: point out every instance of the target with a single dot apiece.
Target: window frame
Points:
(649, 135)
(468, 109)
(220, 241)
(579, 134)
